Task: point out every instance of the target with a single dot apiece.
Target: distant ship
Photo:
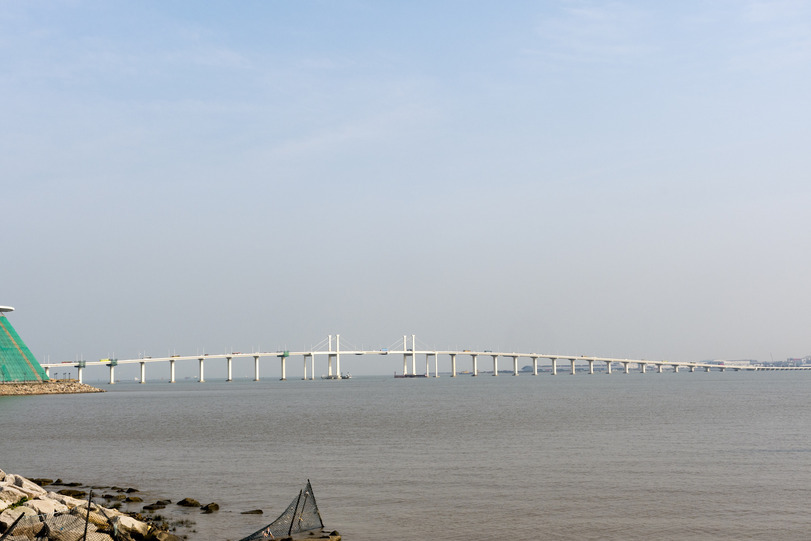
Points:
(396, 375)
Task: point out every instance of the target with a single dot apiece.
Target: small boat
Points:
(396, 375)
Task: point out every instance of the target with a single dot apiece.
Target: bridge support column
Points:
(475, 365)
(554, 367)
(112, 373)
(676, 368)
(202, 375)
(515, 365)
(48, 371)
(229, 369)
(706, 368)
(312, 367)
(256, 368)
(436, 365)
(414, 354)
(572, 360)
(453, 365)
(337, 356)
(535, 366)
(143, 372)
(495, 365)
(80, 374)
(284, 367)
(692, 368)
(591, 367)
(405, 356)
(608, 367)
(659, 368)
(305, 368)
(643, 367)
(329, 366)
(625, 367)
(171, 371)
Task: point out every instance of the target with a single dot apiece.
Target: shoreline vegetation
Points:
(62, 386)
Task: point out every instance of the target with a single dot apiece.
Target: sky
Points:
(626, 179)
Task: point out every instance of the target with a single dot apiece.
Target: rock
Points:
(47, 506)
(41, 481)
(30, 489)
(131, 528)
(29, 527)
(131, 499)
(66, 528)
(154, 507)
(188, 502)
(131, 490)
(8, 516)
(70, 501)
(210, 507)
(72, 492)
(253, 512)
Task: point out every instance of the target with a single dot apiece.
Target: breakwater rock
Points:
(47, 387)
(35, 513)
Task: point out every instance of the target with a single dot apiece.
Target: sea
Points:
(715, 456)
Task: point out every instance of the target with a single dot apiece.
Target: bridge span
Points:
(410, 355)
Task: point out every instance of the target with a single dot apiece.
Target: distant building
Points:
(17, 363)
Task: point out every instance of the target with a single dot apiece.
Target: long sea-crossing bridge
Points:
(330, 350)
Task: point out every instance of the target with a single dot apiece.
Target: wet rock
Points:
(210, 507)
(132, 499)
(41, 481)
(131, 490)
(72, 492)
(188, 502)
(253, 512)
(154, 506)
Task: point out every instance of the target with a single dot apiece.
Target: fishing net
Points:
(300, 516)
(61, 527)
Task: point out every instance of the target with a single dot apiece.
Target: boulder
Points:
(73, 493)
(210, 507)
(30, 489)
(131, 528)
(253, 512)
(30, 526)
(8, 516)
(66, 528)
(46, 506)
(67, 500)
(188, 502)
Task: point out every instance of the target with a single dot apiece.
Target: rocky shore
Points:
(62, 514)
(69, 386)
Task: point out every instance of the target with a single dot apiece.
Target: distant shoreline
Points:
(46, 387)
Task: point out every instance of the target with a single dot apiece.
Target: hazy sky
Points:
(623, 179)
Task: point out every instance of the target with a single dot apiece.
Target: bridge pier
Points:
(573, 369)
(256, 368)
(305, 368)
(692, 368)
(202, 378)
(643, 367)
(675, 369)
(625, 367)
(284, 368)
(112, 373)
(659, 368)
(591, 367)
(436, 365)
(80, 368)
(405, 356)
(706, 368)
(47, 371)
(535, 366)
(171, 371)
(143, 372)
(475, 365)
(495, 365)
(515, 365)
(608, 367)
(554, 366)
(453, 365)
(228, 368)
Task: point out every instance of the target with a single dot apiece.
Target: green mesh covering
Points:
(17, 363)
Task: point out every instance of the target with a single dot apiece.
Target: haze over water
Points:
(655, 456)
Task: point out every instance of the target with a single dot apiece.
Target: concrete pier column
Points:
(495, 365)
(659, 368)
(143, 372)
(475, 365)
(256, 368)
(706, 368)
(643, 367)
(171, 371)
(427, 365)
(312, 367)
(436, 365)
(591, 366)
(112, 373)
(405, 355)
(305, 368)
(723, 369)
(453, 365)
(573, 369)
(338, 356)
(414, 354)
(515, 365)
(329, 365)
(608, 367)
(554, 367)
(535, 366)
(80, 368)
(229, 369)
(625, 367)
(284, 368)
(202, 375)
(48, 371)
(692, 368)
(676, 368)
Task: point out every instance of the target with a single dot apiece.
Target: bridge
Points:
(333, 353)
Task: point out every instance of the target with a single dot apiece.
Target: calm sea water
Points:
(655, 456)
